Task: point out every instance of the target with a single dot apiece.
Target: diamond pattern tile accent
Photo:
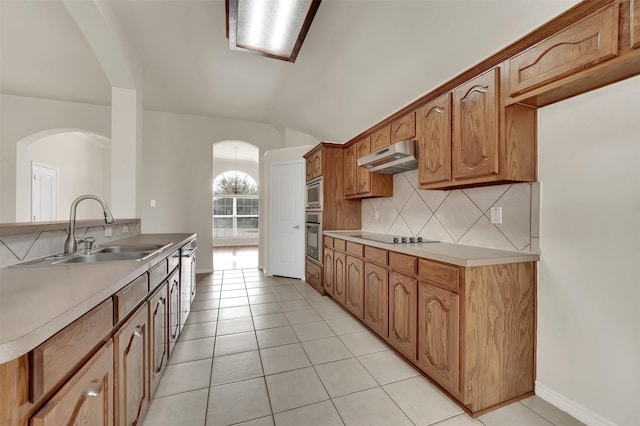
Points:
(21, 243)
(458, 214)
(455, 216)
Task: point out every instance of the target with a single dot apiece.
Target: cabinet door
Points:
(403, 313)
(591, 40)
(339, 288)
(475, 127)
(404, 128)
(350, 170)
(355, 286)
(635, 24)
(309, 169)
(131, 345)
(86, 399)
(434, 141)
(158, 333)
(317, 164)
(380, 139)
(438, 335)
(376, 299)
(328, 271)
(363, 178)
(174, 310)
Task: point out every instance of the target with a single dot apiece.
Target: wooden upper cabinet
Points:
(635, 23)
(381, 138)
(476, 108)
(404, 128)
(86, 399)
(434, 141)
(363, 180)
(589, 41)
(314, 165)
(350, 170)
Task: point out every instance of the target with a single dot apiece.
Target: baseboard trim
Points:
(578, 411)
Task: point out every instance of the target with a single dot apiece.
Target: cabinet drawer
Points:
(340, 245)
(376, 255)
(58, 356)
(173, 261)
(439, 275)
(313, 275)
(87, 398)
(592, 40)
(157, 274)
(127, 298)
(354, 248)
(328, 242)
(403, 263)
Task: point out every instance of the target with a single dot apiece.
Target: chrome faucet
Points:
(71, 244)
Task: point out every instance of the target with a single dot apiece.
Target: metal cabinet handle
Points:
(94, 389)
(138, 331)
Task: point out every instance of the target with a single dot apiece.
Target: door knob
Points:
(296, 227)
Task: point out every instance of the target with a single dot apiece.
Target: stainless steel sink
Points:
(111, 253)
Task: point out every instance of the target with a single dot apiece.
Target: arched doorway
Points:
(235, 205)
(80, 163)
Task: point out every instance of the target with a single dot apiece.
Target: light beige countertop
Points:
(37, 302)
(456, 254)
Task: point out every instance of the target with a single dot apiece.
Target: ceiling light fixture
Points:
(272, 28)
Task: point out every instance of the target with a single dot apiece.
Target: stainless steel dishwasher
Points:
(187, 280)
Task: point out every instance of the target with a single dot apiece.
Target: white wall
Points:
(23, 117)
(588, 282)
(270, 157)
(81, 170)
(295, 138)
(177, 172)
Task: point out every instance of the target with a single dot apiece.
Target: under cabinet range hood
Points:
(397, 158)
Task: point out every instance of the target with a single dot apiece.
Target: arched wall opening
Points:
(235, 205)
(82, 164)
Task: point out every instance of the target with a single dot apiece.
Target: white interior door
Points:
(286, 221)
(44, 193)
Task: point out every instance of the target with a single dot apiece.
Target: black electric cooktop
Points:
(392, 239)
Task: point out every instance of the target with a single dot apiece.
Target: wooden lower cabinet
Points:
(376, 298)
(403, 314)
(131, 345)
(339, 280)
(86, 399)
(355, 286)
(438, 335)
(158, 335)
(328, 275)
(174, 309)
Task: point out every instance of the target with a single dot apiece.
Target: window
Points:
(235, 206)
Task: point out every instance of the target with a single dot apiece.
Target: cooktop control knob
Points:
(404, 239)
(412, 240)
(419, 239)
(395, 240)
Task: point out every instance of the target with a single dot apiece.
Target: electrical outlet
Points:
(125, 229)
(496, 215)
(153, 203)
(108, 231)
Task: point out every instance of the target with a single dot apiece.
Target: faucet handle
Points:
(88, 243)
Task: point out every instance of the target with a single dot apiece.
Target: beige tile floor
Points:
(261, 351)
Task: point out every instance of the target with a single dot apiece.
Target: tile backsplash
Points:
(17, 248)
(459, 216)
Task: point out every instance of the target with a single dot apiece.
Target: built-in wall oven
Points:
(313, 235)
(314, 194)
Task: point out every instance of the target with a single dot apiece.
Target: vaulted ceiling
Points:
(361, 60)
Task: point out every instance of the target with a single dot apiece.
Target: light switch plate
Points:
(108, 231)
(496, 215)
(153, 203)
(125, 229)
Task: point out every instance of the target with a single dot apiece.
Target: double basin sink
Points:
(111, 253)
